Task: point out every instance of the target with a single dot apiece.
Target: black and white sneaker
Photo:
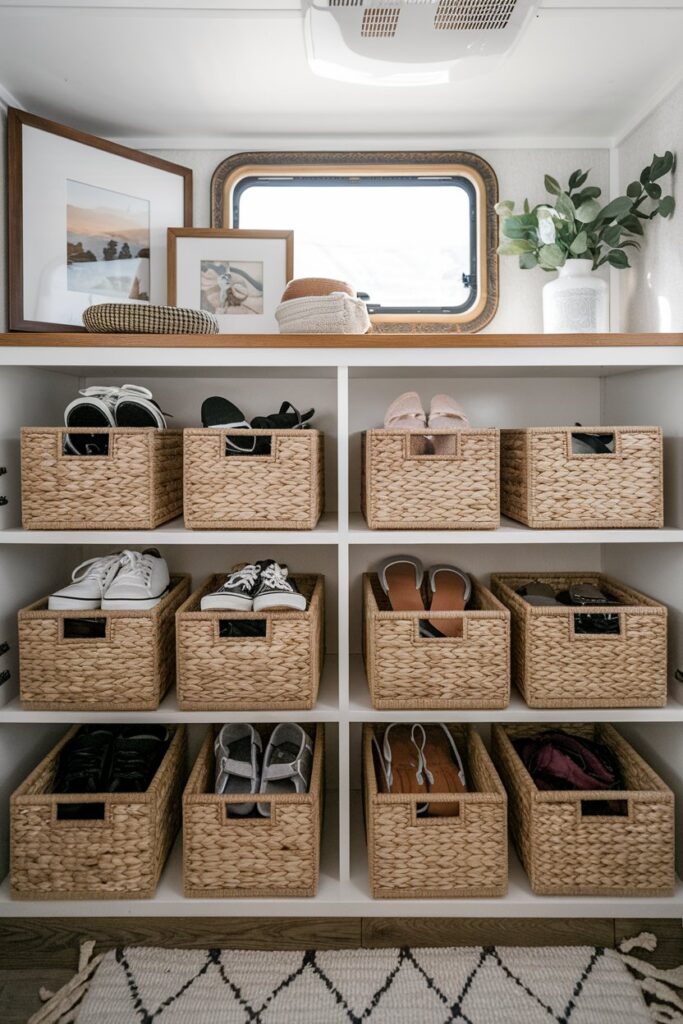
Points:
(102, 407)
(276, 590)
(237, 591)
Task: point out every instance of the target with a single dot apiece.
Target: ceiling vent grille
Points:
(346, 3)
(473, 15)
(380, 22)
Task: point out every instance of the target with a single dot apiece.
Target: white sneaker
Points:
(90, 581)
(140, 584)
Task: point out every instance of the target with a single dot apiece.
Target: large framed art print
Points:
(87, 223)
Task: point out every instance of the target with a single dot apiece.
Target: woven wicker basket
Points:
(545, 485)
(406, 670)
(280, 491)
(130, 668)
(568, 853)
(555, 667)
(438, 857)
(118, 857)
(401, 489)
(225, 857)
(279, 671)
(137, 485)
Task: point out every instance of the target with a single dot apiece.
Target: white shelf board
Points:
(351, 898)
(325, 710)
(175, 532)
(509, 532)
(604, 360)
(361, 710)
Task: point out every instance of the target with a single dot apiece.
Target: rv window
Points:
(410, 242)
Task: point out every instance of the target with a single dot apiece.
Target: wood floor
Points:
(35, 953)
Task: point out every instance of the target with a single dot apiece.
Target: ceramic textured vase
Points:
(577, 301)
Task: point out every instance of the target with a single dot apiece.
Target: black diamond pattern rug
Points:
(491, 985)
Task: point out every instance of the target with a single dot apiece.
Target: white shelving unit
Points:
(350, 388)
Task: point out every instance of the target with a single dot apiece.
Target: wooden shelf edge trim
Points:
(341, 341)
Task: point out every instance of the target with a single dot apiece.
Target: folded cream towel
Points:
(337, 313)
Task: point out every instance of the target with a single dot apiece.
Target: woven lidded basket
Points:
(406, 670)
(225, 857)
(567, 852)
(545, 485)
(403, 489)
(555, 667)
(119, 855)
(280, 670)
(138, 484)
(438, 857)
(128, 668)
(134, 318)
(282, 490)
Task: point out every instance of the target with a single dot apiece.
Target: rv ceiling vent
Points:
(411, 42)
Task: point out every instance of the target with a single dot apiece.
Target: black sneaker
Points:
(237, 592)
(276, 589)
(137, 753)
(84, 762)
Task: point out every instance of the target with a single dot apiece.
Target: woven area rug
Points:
(491, 985)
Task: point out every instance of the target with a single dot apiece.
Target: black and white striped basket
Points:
(124, 318)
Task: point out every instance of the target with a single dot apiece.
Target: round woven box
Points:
(122, 318)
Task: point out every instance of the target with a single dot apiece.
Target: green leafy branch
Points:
(576, 226)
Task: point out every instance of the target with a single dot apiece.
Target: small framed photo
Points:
(237, 275)
(87, 223)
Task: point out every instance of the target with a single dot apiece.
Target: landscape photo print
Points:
(108, 242)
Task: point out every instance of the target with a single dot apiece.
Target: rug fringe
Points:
(61, 1008)
(662, 989)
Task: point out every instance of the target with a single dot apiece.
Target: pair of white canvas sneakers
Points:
(124, 580)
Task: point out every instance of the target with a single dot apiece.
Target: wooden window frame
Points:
(231, 171)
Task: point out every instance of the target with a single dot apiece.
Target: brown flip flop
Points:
(401, 580)
(443, 767)
(450, 590)
(400, 762)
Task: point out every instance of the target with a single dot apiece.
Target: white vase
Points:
(576, 301)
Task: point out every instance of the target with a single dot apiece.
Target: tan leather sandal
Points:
(450, 590)
(400, 578)
(442, 767)
(400, 761)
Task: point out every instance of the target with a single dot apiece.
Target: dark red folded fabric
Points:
(557, 760)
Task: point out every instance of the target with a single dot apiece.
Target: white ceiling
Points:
(198, 72)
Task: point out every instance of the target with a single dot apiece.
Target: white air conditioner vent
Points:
(469, 15)
(411, 42)
(380, 21)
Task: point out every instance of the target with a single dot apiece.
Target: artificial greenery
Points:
(578, 227)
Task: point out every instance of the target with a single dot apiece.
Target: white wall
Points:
(651, 296)
(520, 173)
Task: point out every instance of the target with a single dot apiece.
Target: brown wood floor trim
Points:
(342, 341)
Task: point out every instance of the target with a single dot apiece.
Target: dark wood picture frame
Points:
(16, 120)
(241, 165)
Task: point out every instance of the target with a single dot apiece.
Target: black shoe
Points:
(222, 414)
(237, 591)
(138, 751)
(242, 627)
(84, 762)
(283, 420)
(276, 589)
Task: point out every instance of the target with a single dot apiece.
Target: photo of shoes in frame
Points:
(237, 276)
(87, 223)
